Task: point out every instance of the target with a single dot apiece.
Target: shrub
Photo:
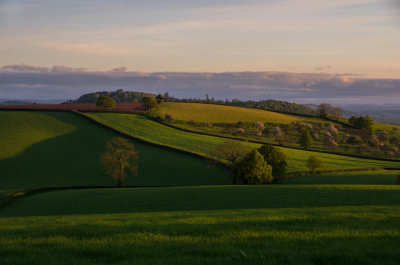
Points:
(253, 169)
(276, 159)
(169, 118)
(260, 125)
(313, 163)
(105, 102)
(239, 131)
(306, 141)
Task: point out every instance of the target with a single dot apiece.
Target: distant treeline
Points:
(119, 96)
(132, 96)
(276, 105)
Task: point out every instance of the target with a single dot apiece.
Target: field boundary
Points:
(12, 196)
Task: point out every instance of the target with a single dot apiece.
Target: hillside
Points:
(147, 129)
(224, 114)
(290, 224)
(59, 148)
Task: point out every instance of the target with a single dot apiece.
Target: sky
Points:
(353, 40)
(341, 36)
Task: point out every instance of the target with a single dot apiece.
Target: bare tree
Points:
(232, 152)
(120, 156)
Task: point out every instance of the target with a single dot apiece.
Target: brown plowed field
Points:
(124, 106)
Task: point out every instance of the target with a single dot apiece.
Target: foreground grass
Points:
(224, 114)
(379, 177)
(144, 128)
(68, 150)
(205, 225)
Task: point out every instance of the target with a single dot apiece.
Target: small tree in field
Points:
(306, 141)
(253, 169)
(313, 163)
(233, 152)
(105, 102)
(149, 103)
(120, 156)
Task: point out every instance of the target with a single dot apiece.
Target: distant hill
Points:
(119, 96)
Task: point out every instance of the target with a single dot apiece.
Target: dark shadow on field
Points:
(104, 201)
(73, 160)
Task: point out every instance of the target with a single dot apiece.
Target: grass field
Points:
(224, 114)
(59, 148)
(275, 224)
(380, 177)
(144, 128)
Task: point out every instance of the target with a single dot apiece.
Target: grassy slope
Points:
(144, 128)
(18, 132)
(381, 177)
(280, 224)
(219, 113)
(71, 155)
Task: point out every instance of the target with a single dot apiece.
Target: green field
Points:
(275, 224)
(379, 177)
(60, 148)
(224, 114)
(144, 128)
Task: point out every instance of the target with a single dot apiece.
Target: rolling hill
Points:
(144, 128)
(60, 148)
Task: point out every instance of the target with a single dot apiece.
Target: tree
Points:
(306, 141)
(362, 123)
(324, 109)
(337, 113)
(274, 158)
(105, 102)
(233, 152)
(160, 98)
(353, 139)
(253, 169)
(313, 163)
(149, 103)
(120, 156)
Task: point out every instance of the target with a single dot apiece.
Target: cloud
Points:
(23, 81)
(121, 69)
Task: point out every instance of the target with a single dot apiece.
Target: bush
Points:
(274, 158)
(306, 141)
(105, 102)
(169, 118)
(313, 163)
(253, 169)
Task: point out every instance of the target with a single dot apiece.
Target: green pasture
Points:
(274, 224)
(144, 128)
(378, 177)
(224, 114)
(61, 148)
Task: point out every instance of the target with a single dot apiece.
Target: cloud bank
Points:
(62, 82)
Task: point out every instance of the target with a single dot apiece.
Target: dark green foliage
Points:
(149, 102)
(253, 169)
(362, 123)
(160, 98)
(313, 163)
(118, 96)
(105, 102)
(353, 140)
(306, 141)
(276, 159)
